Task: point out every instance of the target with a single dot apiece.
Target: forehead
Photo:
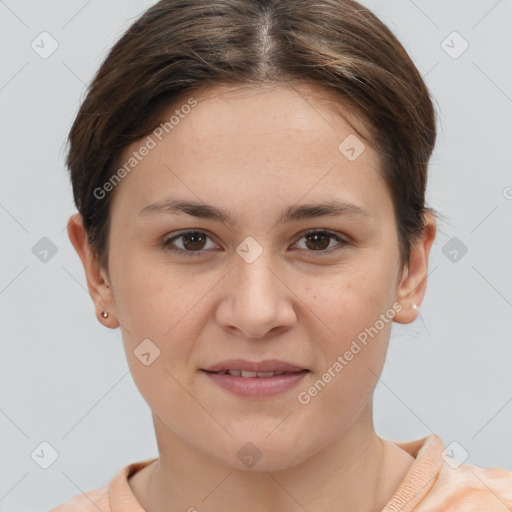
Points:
(266, 109)
(257, 141)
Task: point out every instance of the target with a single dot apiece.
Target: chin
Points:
(261, 453)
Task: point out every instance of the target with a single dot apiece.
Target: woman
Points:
(250, 178)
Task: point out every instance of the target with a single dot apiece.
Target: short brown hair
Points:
(184, 45)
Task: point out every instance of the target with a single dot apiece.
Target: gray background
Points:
(63, 376)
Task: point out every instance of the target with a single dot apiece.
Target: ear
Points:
(98, 283)
(413, 284)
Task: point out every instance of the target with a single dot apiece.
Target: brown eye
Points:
(320, 241)
(317, 241)
(193, 243)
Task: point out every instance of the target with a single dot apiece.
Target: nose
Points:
(257, 300)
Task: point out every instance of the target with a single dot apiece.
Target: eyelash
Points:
(167, 243)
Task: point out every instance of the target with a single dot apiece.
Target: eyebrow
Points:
(292, 213)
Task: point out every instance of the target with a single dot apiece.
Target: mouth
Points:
(255, 380)
(250, 375)
(251, 369)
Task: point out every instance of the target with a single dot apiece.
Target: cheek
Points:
(161, 325)
(167, 306)
(354, 314)
(155, 296)
(352, 298)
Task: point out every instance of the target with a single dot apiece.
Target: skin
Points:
(253, 151)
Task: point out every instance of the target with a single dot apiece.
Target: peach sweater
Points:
(431, 485)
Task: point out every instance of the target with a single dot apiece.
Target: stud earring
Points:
(414, 306)
(104, 314)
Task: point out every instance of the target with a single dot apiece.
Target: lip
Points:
(269, 365)
(256, 387)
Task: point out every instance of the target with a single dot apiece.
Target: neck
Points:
(354, 472)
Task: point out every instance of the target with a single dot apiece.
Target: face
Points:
(273, 279)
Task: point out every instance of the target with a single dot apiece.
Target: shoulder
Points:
(469, 488)
(90, 501)
(438, 483)
(117, 495)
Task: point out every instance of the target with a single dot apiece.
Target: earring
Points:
(414, 306)
(104, 314)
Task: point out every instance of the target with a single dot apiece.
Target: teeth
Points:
(246, 374)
